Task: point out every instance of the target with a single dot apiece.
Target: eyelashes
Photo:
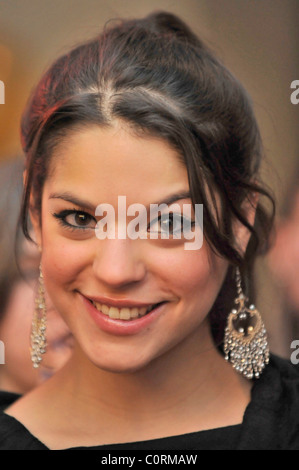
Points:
(170, 223)
(73, 219)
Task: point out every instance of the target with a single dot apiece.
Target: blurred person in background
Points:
(284, 256)
(19, 270)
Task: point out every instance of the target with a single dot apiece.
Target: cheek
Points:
(195, 279)
(63, 259)
(192, 273)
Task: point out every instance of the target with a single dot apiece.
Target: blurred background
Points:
(258, 41)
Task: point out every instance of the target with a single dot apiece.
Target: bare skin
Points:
(167, 378)
(97, 407)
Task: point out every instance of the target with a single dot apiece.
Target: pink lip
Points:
(121, 327)
(119, 303)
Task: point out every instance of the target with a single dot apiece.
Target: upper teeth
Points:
(123, 313)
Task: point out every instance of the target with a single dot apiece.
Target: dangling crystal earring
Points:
(245, 337)
(38, 337)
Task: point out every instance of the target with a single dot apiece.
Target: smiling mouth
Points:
(124, 313)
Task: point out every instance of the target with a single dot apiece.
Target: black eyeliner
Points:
(60, 216)
(183, 218)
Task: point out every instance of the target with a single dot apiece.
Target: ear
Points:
(34, 216)
(241, 233)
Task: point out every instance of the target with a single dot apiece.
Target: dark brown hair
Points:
(156, 75)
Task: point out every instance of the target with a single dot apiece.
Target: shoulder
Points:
(7, 398)
(13, 435)
(271, 421)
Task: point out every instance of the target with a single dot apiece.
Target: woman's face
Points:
(93, 281)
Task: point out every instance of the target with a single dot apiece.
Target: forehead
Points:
(115, 161)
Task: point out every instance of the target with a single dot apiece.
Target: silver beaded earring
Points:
(245, 337)
(38, 329)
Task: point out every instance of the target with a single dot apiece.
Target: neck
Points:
(188, 381)
(163, 382)
(188, 389)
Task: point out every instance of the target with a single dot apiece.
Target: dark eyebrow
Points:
(66, 196)
(175, 197)
(69, 197)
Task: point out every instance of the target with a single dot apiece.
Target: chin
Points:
(121, 363)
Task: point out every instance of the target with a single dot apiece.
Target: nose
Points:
(119, 263)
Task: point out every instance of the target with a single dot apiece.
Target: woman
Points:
(145, 114)
(18, 282)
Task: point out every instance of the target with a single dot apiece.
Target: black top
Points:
(270, 422)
